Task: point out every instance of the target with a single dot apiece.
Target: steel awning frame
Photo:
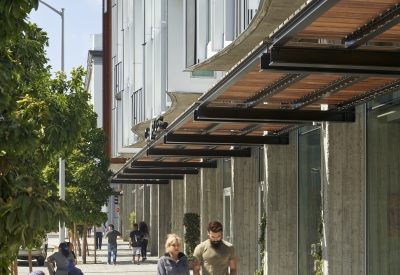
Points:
(287, 31)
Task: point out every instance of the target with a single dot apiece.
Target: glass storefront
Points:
(383, 185)
(227, 213)
(309, 199)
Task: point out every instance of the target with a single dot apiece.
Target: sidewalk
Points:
(124, 261)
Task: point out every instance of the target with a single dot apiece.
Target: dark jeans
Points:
(112, 249)
(144, 247)
(99, 239)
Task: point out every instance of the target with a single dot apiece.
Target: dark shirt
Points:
(112, 237)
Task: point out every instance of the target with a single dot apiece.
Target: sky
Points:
(82, 19)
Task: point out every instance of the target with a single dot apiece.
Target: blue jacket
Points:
(167, 266)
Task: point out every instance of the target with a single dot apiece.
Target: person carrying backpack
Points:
(135, 241)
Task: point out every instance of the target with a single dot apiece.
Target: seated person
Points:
(64, 260)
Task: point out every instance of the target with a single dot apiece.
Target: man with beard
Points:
(214, 255)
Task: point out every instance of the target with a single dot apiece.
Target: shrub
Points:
(191, 221)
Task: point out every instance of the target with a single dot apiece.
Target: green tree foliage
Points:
(40, 118)
(87, 176)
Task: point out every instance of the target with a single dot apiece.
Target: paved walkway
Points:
(124, 261)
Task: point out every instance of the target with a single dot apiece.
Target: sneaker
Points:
(138, 263)
(144, 259)
(134, 262)
(115, 264)
(108, 263)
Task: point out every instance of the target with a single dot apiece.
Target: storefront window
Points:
(227, 213)
(309, 199)
(383, 185)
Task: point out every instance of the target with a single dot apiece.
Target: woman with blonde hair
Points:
(173, 262)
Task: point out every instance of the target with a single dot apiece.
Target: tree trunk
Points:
(84, 240)
(94, 243)
(14, 267)
(30, 260)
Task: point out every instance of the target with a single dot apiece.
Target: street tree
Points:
(40, 117)
(87, 183)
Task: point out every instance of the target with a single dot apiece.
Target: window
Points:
(383, 185)
(203, 74)
(227, 213)
(309, 198)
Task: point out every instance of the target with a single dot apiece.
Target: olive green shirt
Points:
(214, 261)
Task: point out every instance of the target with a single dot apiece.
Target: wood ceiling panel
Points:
(355, 90)
(303, 88)
(253, 83)
(345, 18)
(271, 127)
(194, 125)
(233, 126)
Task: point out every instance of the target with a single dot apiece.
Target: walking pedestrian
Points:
(173, 262)
(144, 229)
(112, 236)
(214, 256)
(100, 229)
(135, 241)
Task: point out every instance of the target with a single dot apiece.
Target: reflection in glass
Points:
(383, 185)
(309, 197)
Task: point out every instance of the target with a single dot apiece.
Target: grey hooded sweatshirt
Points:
(167, 266)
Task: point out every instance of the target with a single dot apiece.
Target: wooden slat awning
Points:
(327, 58)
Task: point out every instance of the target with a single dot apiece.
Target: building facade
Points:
(286, 110)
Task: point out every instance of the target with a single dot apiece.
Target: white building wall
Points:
(149, 53)
(94, 78)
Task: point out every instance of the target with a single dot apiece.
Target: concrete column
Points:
(127, 205)
(139, 202)
(146, 204)
(192, 194)
(211, 198)
(244, 195)
(281, 207)
(343, 188)
(164, 216)
(177, 190)
(153, 238)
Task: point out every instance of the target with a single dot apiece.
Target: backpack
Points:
(137, 238)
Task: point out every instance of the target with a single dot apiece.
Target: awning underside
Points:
(329, 57)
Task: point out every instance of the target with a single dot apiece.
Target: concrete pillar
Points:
(164, 216)
(153, 238)
(244, 195)
(146, 204)
(211, 198)
(139, 202)
(192, 194)
(343, 188)
(126, 206)
(177, 190)
(280, 193)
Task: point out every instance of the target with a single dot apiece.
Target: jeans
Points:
(144, 248)
(99, 239)
(112, 249)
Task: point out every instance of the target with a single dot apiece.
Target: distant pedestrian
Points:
(112, 236)
(214, 255)
(135, 241)
(173, 262)
(144, 229)
(100, 229)
(89, 231)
